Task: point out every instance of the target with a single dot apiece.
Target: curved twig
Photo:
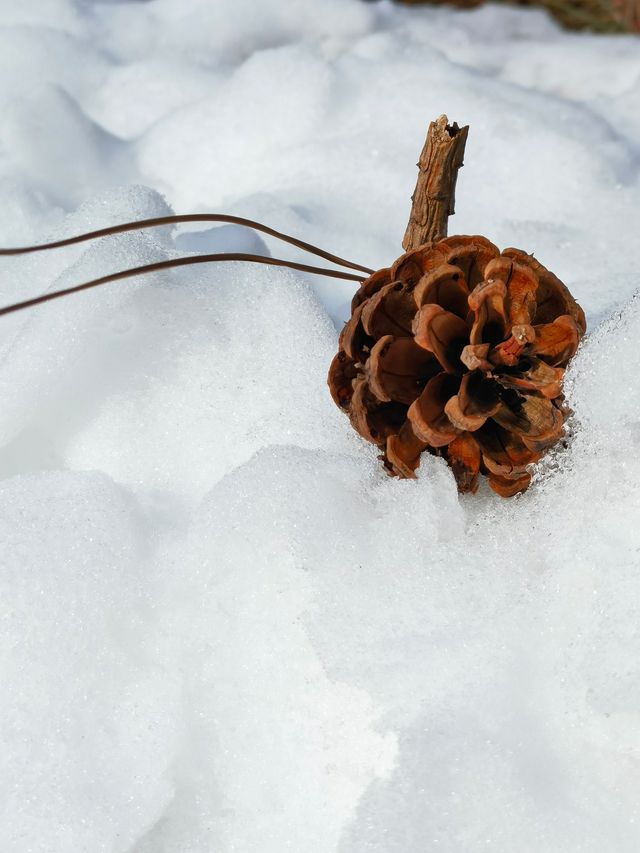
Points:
(176, 262)
(189, 217)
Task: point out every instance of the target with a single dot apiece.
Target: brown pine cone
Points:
(459, 350)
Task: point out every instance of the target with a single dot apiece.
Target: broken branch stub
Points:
(433, 200)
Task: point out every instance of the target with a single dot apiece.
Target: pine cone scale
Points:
(465, 458)
(403, 451)
(427, 415)
(442, 333)
(398, 369)
(553, 297)
(389, 312)
(558, 341)
(374, 421)
(446, 287)
(533, 375)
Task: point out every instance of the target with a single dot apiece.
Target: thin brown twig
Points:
(169, 264)
(181, 218)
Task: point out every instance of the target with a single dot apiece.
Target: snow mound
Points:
(90, 721)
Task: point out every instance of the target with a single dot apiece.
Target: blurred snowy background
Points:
(222, 627)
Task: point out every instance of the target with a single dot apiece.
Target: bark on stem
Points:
(433, 200)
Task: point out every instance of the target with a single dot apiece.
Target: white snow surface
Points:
(223, 628)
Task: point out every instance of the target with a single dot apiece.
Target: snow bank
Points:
(90, 721)
(222, 627)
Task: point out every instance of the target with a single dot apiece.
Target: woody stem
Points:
(433, 200)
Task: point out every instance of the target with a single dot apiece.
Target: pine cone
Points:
(459, 350)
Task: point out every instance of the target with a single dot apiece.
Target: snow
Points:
(222, 627)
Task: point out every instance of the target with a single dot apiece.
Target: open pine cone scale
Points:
(459, 349)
